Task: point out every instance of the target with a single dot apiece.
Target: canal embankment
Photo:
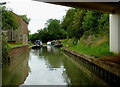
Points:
(16, 71)
(17, 50)
(95, 50)
(107, 66)
(94, 53)
(46, 65)
(98, 47)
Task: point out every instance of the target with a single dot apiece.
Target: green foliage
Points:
(8, 20)
(52, 31)
(68, 18)
(91, 22)
(67, 21)
(76, 24)
(34, 37)
(77, 31)
(79, 22)
(55, 29)
(72, 22)
(15, 45)
(103, 24)
(25, 18)
(28, 35)
(5, 49)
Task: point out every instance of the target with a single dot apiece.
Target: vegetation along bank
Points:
(84, 31)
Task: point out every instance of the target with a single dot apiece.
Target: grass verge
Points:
(30, 45)
(14, 45)
(95, 50)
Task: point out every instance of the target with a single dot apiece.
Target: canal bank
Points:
(49, 66)
(16, 71)
(17, 51)
(105, 68)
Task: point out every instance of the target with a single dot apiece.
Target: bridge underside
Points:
(105, 7)
(113, 8)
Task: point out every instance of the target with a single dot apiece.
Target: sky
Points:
(38, 12)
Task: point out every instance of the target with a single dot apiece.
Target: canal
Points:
(48, 66)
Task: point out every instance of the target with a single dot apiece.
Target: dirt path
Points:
(113, 59)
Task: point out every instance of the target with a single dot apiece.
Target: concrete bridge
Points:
(113, 8)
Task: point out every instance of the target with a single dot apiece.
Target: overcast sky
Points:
(38, 12)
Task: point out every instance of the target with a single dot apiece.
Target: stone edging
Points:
(18, 46)
(110, 67)
(17, 50)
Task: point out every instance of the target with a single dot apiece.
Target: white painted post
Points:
(115, 33)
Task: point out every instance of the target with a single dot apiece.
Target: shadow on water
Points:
(16, 72)
(49, 66)
(110, 79)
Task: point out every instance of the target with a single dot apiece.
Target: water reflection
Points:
(48, 48)
(16, 72)
(79, 75)
(53, 59)
(46, 68)
(49, 66)
(52, 67)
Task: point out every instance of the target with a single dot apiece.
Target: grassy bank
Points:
(15, 45)
(30, 45)
(92, 46)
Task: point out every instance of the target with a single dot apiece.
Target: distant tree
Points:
(55, 29)
(34, 37)
(52, 31)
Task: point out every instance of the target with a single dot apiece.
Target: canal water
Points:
(48, 66)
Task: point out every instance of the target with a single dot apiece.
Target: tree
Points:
(55, 29)
(69, 17)
(77, 30)
(25, 18)
(90, 22)
(8, 20)
(72, 22)
(29, 35)
(5, 49)
(34, 37)
(67, 21)
(52, 31)
(103, 24)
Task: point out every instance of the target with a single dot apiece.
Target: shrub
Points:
(5, 49)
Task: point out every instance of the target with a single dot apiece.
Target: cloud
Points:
(39, 12)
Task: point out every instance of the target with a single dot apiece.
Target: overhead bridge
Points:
(112, 8)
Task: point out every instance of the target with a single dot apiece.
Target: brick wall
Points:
(20, 34)
(18, 68)
(16, 51)
(25, 33)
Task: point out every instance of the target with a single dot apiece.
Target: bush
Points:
(5, 49)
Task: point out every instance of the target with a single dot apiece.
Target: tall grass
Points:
(97, 51)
